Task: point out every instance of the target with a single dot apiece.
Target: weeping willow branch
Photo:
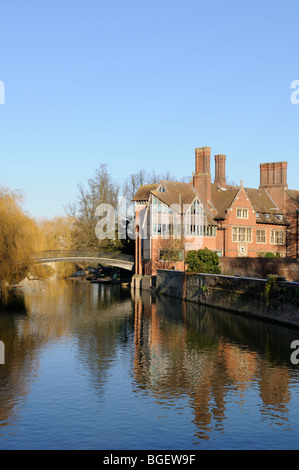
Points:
(18, 236)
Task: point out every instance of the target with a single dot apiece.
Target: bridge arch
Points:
(118, 260)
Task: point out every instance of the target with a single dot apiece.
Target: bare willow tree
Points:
(100, 189)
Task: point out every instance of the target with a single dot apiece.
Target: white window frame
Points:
(242, 213)
(259, 236)
(242, 234)
(277, 237)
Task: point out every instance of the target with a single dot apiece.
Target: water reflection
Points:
(46, 314)
(213, 357)
(205, 367)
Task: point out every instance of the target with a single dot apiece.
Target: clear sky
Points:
(140, 84)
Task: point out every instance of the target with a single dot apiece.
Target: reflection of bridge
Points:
(107, 258)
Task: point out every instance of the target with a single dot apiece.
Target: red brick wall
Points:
(260, 268)
(150, 266)
(251, 248)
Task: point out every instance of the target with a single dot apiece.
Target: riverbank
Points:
(269, 299)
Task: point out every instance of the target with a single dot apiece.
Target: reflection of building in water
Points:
(141, 363)
(158, 349)
(240, 364)
(166, 344)
(173, 360)
(208, 398)
(167, 364)
(274, 390)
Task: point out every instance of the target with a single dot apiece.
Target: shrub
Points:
(203, 261)
(269, 255)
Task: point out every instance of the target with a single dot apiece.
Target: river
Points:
(92, 366)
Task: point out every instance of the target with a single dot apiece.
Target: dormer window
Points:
(267, 216)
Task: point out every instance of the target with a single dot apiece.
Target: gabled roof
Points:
(261, 201)
(222, 199)
(263, 204)
(144, 192)
(176, 192)
(184, 193)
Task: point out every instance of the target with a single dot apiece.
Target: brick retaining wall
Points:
(260, 268)
(236, 294)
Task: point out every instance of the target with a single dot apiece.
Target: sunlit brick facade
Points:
(234, 221)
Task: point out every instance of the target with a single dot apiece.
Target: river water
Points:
(99, 367)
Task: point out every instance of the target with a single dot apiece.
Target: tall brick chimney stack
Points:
(220, 170)
(273, 175)
(202, 177)
(273, 178)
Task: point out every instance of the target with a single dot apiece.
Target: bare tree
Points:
(133, 183)
(100, 189)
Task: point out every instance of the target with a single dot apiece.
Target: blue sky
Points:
(137, 84)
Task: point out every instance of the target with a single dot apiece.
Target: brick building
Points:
(235, 221)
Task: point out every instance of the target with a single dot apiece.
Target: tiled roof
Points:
(260, 200)
(267, 210)
(144, 192)
(222, 199)
(184, 193)
(271, 219)
(175, 193)
(294, 195)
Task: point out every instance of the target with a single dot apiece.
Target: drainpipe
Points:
(224, 230)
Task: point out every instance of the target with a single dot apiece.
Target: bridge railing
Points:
(47, 254)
